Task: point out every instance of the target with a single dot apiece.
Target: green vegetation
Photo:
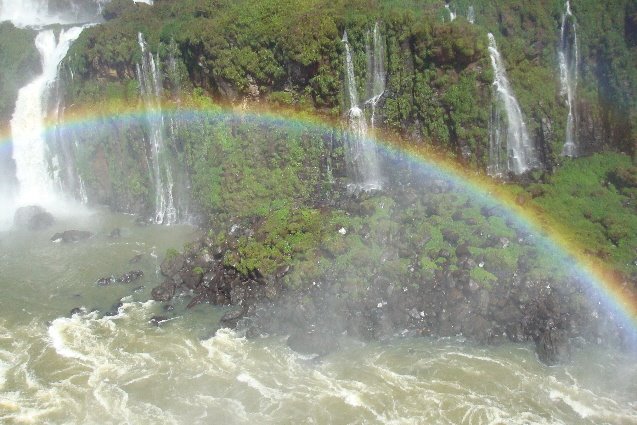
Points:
(19, 63)
(594, 199)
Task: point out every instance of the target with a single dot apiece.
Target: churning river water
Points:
(108, 364)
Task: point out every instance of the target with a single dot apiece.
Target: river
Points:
(109, 364)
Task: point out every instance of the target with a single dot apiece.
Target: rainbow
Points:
(600, 283)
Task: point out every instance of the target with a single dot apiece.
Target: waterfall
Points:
(40, 13)
(27, 125)
(150, 83)
(360, 152)
(520, 153)
(568, 61)
(471, 15)
(452, 15)
(376, 73)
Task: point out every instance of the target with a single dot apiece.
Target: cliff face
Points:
(438, 87)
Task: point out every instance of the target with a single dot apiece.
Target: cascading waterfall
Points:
(376, 73)
(150, 83)
(40, 13)
(471, 15)
(29, 147)
(568, 60)
(452, 15)
(360, 152)
(520, 153)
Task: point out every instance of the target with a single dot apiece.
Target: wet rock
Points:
(104, 281)
(163, 292)
(33, 217)
(552, 346)
(232, 317)
(463, 250)
(76, 310)
(158, 320)
(172, 264)
(450, 236)
(131, 276)
(115, 233)
(70, 236)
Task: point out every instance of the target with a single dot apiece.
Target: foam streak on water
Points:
(116, 369)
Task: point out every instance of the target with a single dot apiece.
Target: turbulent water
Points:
(95, 369)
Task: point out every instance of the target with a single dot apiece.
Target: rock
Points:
(69, 236)
(163, 292)
(158, 320)
(131, 276)
(76, 310)
(115, 233)
(463, 251)
(450, 236)
(232, 317)
(104, 281)
(551, 346)
(172, 264)
(33, 217)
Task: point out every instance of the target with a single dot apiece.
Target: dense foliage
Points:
(19, 63)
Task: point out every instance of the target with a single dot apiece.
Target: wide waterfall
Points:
(40, 13)
(360, 152)
(520, 152)
(27, 125)
(150, 83)
(568, 59)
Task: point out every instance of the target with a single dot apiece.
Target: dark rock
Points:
(158, 320)
(450, 236)
(457, 216)
(463, 250)
(115, 233)
(163, 292)
(69, 236)
(232, 317)
(552, 346)
(76, 310)
(130, 276)
(104, 281)
(33, 217)
(172, 264)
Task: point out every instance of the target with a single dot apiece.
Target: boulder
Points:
(69, 236)
(172, 264)
(33, 217)
(131, 276)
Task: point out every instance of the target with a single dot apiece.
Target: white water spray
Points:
(568, 56)
(27, 125)
(521, 156)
